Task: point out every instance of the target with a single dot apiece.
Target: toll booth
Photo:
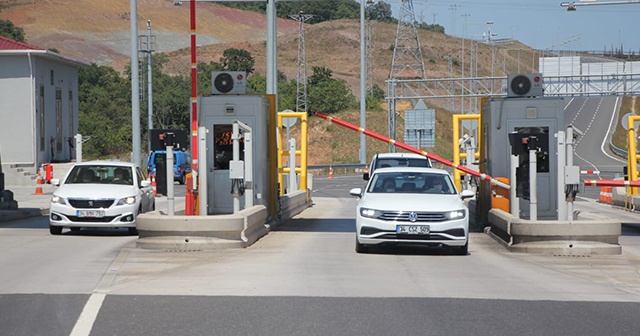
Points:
(217, 114)
(540, 118)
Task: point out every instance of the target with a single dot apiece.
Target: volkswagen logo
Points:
(413, 217)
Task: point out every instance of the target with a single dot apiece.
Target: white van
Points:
(397, 160)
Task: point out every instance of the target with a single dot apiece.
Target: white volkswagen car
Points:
(414, 206)
(100, 194)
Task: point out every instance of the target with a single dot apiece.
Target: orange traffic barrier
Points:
(39, 184)
(609, 195)
(330, 171)
(153, 184)
(606, 195)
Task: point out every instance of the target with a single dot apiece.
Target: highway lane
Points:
(305, 278)
(596, 118)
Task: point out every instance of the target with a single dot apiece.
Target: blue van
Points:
(181, 163)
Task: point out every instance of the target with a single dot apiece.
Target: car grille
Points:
(91, 219)
(91, 204)
(403, 216)
(434, 235)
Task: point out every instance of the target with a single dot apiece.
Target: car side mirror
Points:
(357, 192)
(467, 194)
(55, 182)
(145, 183)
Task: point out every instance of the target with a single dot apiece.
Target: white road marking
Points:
(88, 316)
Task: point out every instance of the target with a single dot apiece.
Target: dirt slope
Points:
(99, 31)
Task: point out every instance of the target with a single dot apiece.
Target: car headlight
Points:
(370, 213)
(456, 214)
(58, 199)
(127, 200)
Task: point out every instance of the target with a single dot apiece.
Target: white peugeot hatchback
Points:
(414, 206)
(100, 194)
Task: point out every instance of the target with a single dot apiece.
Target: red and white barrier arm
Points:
(611, 183)
(412, 149)
(589, 172)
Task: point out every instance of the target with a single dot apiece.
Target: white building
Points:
(38, 106)
(571, 75)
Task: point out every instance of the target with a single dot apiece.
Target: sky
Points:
(541, 24)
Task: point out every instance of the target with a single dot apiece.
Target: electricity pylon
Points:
(301, 96)
(407, 56)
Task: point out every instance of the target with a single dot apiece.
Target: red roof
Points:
(9, 44)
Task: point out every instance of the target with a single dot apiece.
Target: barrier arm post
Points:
(457, 155)
(412, 149)
(632, 162)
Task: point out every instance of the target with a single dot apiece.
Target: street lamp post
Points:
(363, 86)
(135, 86)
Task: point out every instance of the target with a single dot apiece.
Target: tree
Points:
(320, 74)
(374, 98)
(105, 111)
(237, 60)
(8, 29)
(330, 96)
(380, 11)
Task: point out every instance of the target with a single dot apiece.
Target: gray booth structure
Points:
(519, 231)
(235, 194)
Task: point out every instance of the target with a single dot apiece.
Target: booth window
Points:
(223, 146)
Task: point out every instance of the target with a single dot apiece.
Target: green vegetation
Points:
(321, 10)
(8, 29)
(105, 98)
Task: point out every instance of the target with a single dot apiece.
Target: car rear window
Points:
(402, 162)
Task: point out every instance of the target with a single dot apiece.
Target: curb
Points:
(10, 215)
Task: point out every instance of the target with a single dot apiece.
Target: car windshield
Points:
(411, 182)
(100, 174)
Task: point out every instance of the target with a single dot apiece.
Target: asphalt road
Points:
(304, 278)
(596, 118)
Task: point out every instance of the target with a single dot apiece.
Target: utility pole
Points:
(135, 83)
(147, 47)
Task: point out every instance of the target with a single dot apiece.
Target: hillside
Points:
(98, 31)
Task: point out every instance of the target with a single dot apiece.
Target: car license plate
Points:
(412, 229)
(90, 213)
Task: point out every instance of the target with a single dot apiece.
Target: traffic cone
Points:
(330, 171)
(153, 185)
(39, 184)
(366, 168)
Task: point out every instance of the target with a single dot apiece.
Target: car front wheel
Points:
(462, 250)
(183, 179)
(361, 248)
(55, 230)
